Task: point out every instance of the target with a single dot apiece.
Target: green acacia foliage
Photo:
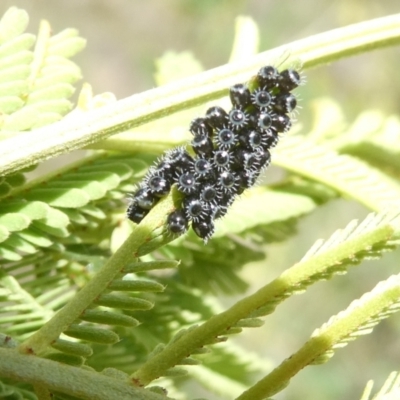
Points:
(88, 297)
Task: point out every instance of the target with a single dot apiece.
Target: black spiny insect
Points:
(229, 150)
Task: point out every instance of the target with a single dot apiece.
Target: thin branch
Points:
(143, 239)
(297, 277)
(67, 379)
(71, 133)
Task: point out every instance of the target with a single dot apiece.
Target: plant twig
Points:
(71, 133)
(299, 276)
(140, 239)
(67, 379)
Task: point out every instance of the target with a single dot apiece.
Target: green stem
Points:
(135, 142)
(299, 276)
(141, 238)
(66, 379)
(347, 323)
(11, 283)
(29, 148)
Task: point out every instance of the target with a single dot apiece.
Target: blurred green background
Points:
(126, 36)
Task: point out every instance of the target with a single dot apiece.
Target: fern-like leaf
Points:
(347, 175)
(376, 234)
(178, 306)
(22, 313)
(374, 138)
(358, 319)
(15, 60)
(52, 204)
(35, 86)
(104, 290)
(390, 389)
(10, 390)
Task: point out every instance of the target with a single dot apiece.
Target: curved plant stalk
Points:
(136, 142)
(70, 380)
(336, 255)
(29, 148)
(358, 319)
(144, 238)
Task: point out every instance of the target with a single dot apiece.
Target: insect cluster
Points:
(229, 151)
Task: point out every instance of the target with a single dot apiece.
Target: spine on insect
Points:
(229, 151)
